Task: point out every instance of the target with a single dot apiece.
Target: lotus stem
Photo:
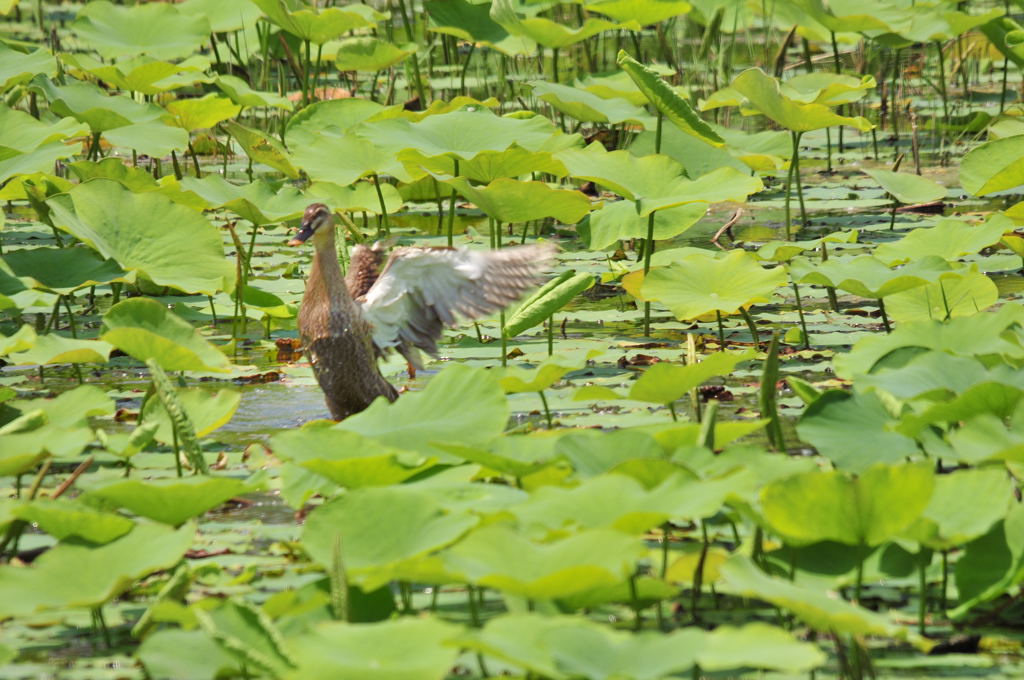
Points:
(504, 340)
(922, 605)
(547, 410)
(672, 409)
(751, 327)
(634, 598)
(800, 312)
(721, 331)
(383, 207)
(796, 177)
(698, 573)
(451, 206)
(942, 82)
(551, 335)
(885, 317)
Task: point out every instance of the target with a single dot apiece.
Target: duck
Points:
(395, 302)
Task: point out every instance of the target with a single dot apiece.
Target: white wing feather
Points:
(422, 290)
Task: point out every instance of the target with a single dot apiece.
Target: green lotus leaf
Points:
(585, 106)
(79, 575)
(242, 94)
(829, 89)
(618, 220)
(63, 270)
(159, 30)
(516, 379)
(56, 349)
(417, 525)
(1004, 34)
(259, 202)
(472, 22)
(358, 197)
(513, 201)
(866, 276)
(639, 13)
(991, 564)
(346, 458)
(20, 340)
(986, 437)
(487, 166)
(701, 284)
(757, 645)
(545, 301)
(950, 239)
(960, 293)
(18, 67)
(35, 161)
(170, 501)
(906, 187)
(345, 159)
(997, 165)
(461, 133)
(668, 102)
(630, 176)
(266, 302)
(262, 148)
(146, 233)
(559, 646)
(866, 510)
(135, 179)
(365, 53)
(146, 329)
(783, 251)
(144, 74)
(548, 33)
(964, 506)
(460, 405)
(251, 636)
(856, 15)
(198, 114)
(665, 382)
(319, 25)
(331, 118)
(224, 17)
(420, 648)
(980, 335)
(71, 408)
(764, 95)
(160, 652)
(636, 509)
(818, 609)
(854, 430)
(207, 410)
(90, 105)
(62, 518)
(928, 375)
(497, 557)
(942, 24)
(152, 139)
(21, 132)
(515, 461)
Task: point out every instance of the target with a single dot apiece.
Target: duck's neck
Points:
(325, 266)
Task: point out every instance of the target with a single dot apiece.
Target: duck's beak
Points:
(305, 232)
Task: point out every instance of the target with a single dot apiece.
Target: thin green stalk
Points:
(796, 177)
(504, 340)
(634, 598)
(551, 335)
(885, 317)
(451, 206)
(554, 65)
(698, 573)
(789, 197)
(383, 207)
(750, 326)
(547, 409)
(922, 605)
(800, 312)
(942, 82)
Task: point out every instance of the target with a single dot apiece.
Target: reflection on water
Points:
(264, 409)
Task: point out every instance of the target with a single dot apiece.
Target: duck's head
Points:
(316, 219)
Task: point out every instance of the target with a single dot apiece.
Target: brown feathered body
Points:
(338, 340)
(347, 323)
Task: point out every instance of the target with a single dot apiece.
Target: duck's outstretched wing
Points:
(421, 290)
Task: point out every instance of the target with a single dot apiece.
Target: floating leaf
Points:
(907, 187)
(171, 501)
(370, 54)
(664, 382)
(996, 165)
(866, 510)
(145, 329)
(160, 30)
(146, 232)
